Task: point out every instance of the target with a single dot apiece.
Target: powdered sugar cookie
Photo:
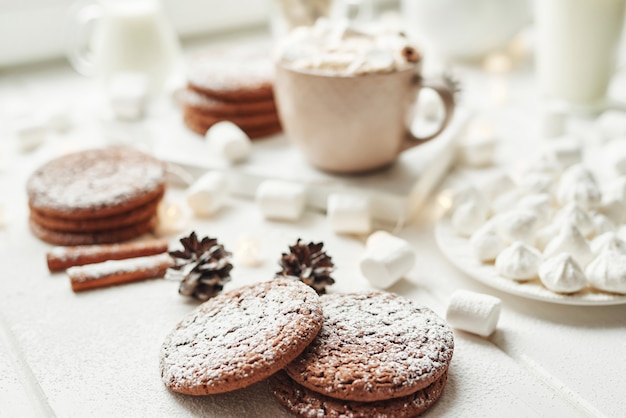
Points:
(303, 402)
(240, 337)
(374, 346)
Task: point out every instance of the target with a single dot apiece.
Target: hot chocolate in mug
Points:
(112, 36)
(353, 123)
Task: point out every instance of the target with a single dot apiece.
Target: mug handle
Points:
(82, 17)
(446, 94)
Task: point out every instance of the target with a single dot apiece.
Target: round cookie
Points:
(240, 337)
(259, 132)
(191, 100)
(303, 402)
(137, 215)
(96, 183)
(374, 346)
(89, 238)
(232, 76)
(250, 122)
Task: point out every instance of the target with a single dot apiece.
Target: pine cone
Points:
(307, 262)
(204, 266)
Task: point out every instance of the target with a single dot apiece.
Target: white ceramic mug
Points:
(122, 36)
(576, 48)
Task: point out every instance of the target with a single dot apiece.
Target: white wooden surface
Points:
(96, 353)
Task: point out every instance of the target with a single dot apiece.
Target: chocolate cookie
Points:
(200, 127)
(233, 76)
(374, 346)
(303, 402)
(96, 183)
(89, 238)
(191, 100)
(240, 337)
(125, 219)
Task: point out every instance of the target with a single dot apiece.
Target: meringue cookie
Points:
(562, 274)
(496, 184)
(518, 262)
(608, 271)
(468, 217)
(539, 204)
(601, 223)
(486, 243)
(578, 185)
(572, 213)
(533, 183)
(517, 225)
(570, 240)
(608, 240)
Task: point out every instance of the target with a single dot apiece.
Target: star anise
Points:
(203, 266)
(308, 263)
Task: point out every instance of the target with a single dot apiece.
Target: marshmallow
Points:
(386, 260)
(128, 95)
(208, 194)
(281, 200)
(612, 124)
(473, 312)
(496, 184)
(30, 133)
(608, 271)
(565, 150)
(517, 225)
(539, 204)
(518, 262)
(562, 274)
(468, 217)
(349, 214)
(570, 240)
(229, 140)
(486, 243)
(552, 121)
(578, 185)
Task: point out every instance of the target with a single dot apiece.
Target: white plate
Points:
(458, 251)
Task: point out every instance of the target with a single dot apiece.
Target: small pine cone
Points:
(203, 266)
(308, 263)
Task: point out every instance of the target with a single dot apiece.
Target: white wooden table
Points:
(96, 353)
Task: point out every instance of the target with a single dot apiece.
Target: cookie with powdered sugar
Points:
(303, 402)
(374, 346)
(240, 337)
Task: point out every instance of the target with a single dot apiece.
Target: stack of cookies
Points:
(349, 355)
(235, 86)
(95, 196)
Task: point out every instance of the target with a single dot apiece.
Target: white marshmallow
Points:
(349, 214)
(468, 217)
(128, 95)
(562, 274)
(208, 194)
(486, 243)
(281, 200)
(386, 260)
(570, 240)
(518, 262)
(31, 132)
(473, 312)
(608, 271)
(496, 184)
(565, 150)
(552, 121)
(229, 141)
(517, 225)
(376, 237)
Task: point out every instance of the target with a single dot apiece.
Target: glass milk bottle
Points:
(123, 36)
